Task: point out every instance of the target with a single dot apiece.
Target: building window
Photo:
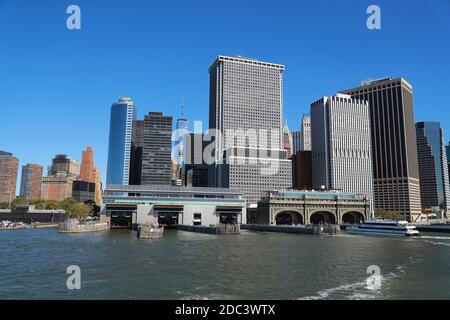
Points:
(197, 219)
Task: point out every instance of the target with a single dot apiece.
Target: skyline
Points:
(71, 75)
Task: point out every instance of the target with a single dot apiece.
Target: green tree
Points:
(52, 205)
(79, 210)
(4, 205)
(18, 202)
(68, 204)
(38, 203)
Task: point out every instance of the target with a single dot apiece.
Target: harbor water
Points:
(252, 265)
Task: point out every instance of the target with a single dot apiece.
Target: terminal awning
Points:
(179, 206)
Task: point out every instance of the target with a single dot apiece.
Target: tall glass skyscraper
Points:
(433, 170)
(182, 127)
(123, 113)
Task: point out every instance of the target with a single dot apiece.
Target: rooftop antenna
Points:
(182, 106)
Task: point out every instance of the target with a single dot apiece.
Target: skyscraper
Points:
(246, 113)
(394, 149)
(91, 174)
(341, 146)
(31, 181)
(302, 170)
(9, 166)
(98, 187)
(433, 169)
(305, 140)
(157, 150)
(123, 113)
(296, 141)
(137, 146)
(87, 165)
(447, 152)
(182, 129)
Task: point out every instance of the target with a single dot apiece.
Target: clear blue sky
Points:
(57, 85)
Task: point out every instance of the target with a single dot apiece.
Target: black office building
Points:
(137, 147)
(195, 167)
(157, 149)
(83, 191)
(394, 149)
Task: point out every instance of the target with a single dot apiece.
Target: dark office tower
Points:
(433, 170)
(394, 149)
(157, 150)
(137, 146)
(302, 170)
(31, 181)
(195, 167)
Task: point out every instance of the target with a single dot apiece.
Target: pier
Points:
(327, 229)
(149, 231)
(74, 226)
(226, 229)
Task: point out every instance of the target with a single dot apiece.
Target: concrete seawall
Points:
(283, 229)
(222, 229)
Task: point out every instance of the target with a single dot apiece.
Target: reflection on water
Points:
(183, 265)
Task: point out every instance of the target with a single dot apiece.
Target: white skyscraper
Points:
(246, 107)
(341, 145)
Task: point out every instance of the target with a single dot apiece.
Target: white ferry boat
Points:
(384, 228)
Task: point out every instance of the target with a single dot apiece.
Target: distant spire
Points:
(182, 106)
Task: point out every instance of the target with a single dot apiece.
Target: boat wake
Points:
(360, 290)
(434, 238)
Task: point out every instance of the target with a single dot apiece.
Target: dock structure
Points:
(74, 226)
(319, 229)
(224, 229)
(149, 231)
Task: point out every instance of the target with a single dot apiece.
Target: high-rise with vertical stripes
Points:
(394, 150)
(341, 145)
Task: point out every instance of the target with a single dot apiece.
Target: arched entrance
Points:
(353, 217)
(288, 218)
(323, 217)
